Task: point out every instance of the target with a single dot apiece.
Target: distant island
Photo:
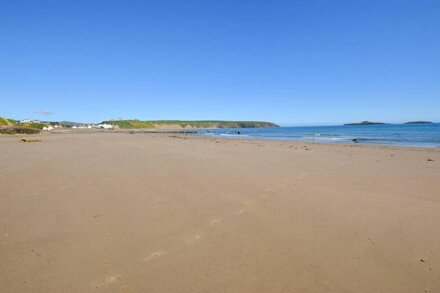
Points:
(176, 124)
(418, 122)
(364, 123)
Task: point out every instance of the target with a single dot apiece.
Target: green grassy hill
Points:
(10, 126)
(10, 122)
(188, 124)
(35, 125)
(6, 121)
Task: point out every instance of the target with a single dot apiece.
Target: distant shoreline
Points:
(187, 124)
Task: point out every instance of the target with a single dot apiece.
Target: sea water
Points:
(414, 135)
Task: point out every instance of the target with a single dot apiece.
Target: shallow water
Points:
(415, 135)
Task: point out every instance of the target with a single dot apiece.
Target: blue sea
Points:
(412, 135)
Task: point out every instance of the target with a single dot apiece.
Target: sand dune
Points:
(113, 212)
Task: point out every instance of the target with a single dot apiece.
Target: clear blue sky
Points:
(291, 62)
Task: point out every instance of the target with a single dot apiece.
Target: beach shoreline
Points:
(195, 134)
(168, 212)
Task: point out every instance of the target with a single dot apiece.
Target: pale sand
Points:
(113, 212)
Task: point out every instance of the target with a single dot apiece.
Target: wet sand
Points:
(114, 212)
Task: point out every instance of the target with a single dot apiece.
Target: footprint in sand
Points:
(277, 186)
(154, 255)
(107, 281)
(248, 202)
(193, 239)
(214, 222)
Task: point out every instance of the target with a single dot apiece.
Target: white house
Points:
(48, 128)
(105, 126)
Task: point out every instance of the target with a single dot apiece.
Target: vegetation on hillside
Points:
(6, 121)
(188, 124)
(9, 126)
(36, 125)
(18, 130)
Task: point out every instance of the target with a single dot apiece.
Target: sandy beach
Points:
(114, 212)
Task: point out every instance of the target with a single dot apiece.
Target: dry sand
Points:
(113, 212)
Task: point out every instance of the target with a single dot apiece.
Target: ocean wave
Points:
(234, 135)
(325, 134)
(326, 139)
(406, 136)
